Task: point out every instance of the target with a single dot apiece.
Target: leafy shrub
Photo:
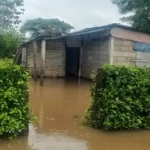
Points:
(121, 100)
(14, 109)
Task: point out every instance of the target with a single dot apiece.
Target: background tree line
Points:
(11, 37)
(135, 12)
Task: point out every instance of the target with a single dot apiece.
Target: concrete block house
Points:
(80, 53)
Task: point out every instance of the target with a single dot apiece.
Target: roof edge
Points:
(88, 30)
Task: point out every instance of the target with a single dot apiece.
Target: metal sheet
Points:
(141, 47)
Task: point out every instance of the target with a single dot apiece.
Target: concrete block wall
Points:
(54, 61)
(31, 58)
(123, 53)
(95, 55)
(143, 56)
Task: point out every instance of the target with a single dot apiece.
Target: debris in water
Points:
(75, 117)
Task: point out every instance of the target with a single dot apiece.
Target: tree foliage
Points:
(137, 12)
(121, 100)
(10, 10)
(9, 41)
(37, 26)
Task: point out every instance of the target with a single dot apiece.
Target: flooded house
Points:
(81, 52)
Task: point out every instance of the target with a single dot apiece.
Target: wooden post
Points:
(80, 61)
(65, 42)
(23, 57)
(27, 52)
(16, 59)
(43, 51)
(35, 57)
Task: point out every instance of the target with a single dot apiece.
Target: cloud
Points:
(79, 13)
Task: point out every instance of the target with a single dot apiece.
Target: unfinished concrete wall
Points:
(31, 58)
(143, 59)
(95, 55)
(123, 52)
(55, 59)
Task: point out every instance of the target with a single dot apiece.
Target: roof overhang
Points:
(116, 30)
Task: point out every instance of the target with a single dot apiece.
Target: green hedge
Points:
(14, 109)
(121, 100)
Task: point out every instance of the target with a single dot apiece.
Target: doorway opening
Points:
(72, 61)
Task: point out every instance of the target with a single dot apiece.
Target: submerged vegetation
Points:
(14, 109)
(120, 99)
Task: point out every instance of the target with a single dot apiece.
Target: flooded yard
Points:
(60, 105)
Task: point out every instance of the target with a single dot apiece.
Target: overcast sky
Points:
(78, 13)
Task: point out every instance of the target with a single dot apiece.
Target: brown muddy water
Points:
(60, 105)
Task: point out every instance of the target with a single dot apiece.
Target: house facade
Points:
(82, 52)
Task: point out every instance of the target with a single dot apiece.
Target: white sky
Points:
(78, 13)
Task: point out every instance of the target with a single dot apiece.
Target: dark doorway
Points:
(72, 60)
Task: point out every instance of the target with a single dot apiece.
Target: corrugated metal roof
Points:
(130, 35)
(117, 30)
(93, 30)
(105, 27)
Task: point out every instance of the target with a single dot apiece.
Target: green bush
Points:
(121, 100)
(14, 109)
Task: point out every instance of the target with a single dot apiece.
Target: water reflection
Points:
(59, 105)
(55, 141)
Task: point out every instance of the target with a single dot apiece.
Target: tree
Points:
(10, 10)
(136, 12)
(37, 26)
(9, 41)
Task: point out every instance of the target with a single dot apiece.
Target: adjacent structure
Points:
(80, 53)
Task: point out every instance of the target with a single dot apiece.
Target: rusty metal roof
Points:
(130, 35)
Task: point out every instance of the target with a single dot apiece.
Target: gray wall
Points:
(123, 53)
(95, 54)
(55, 59)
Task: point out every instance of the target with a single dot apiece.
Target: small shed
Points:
(81, 52)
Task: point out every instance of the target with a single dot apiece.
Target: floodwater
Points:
(59, 105)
